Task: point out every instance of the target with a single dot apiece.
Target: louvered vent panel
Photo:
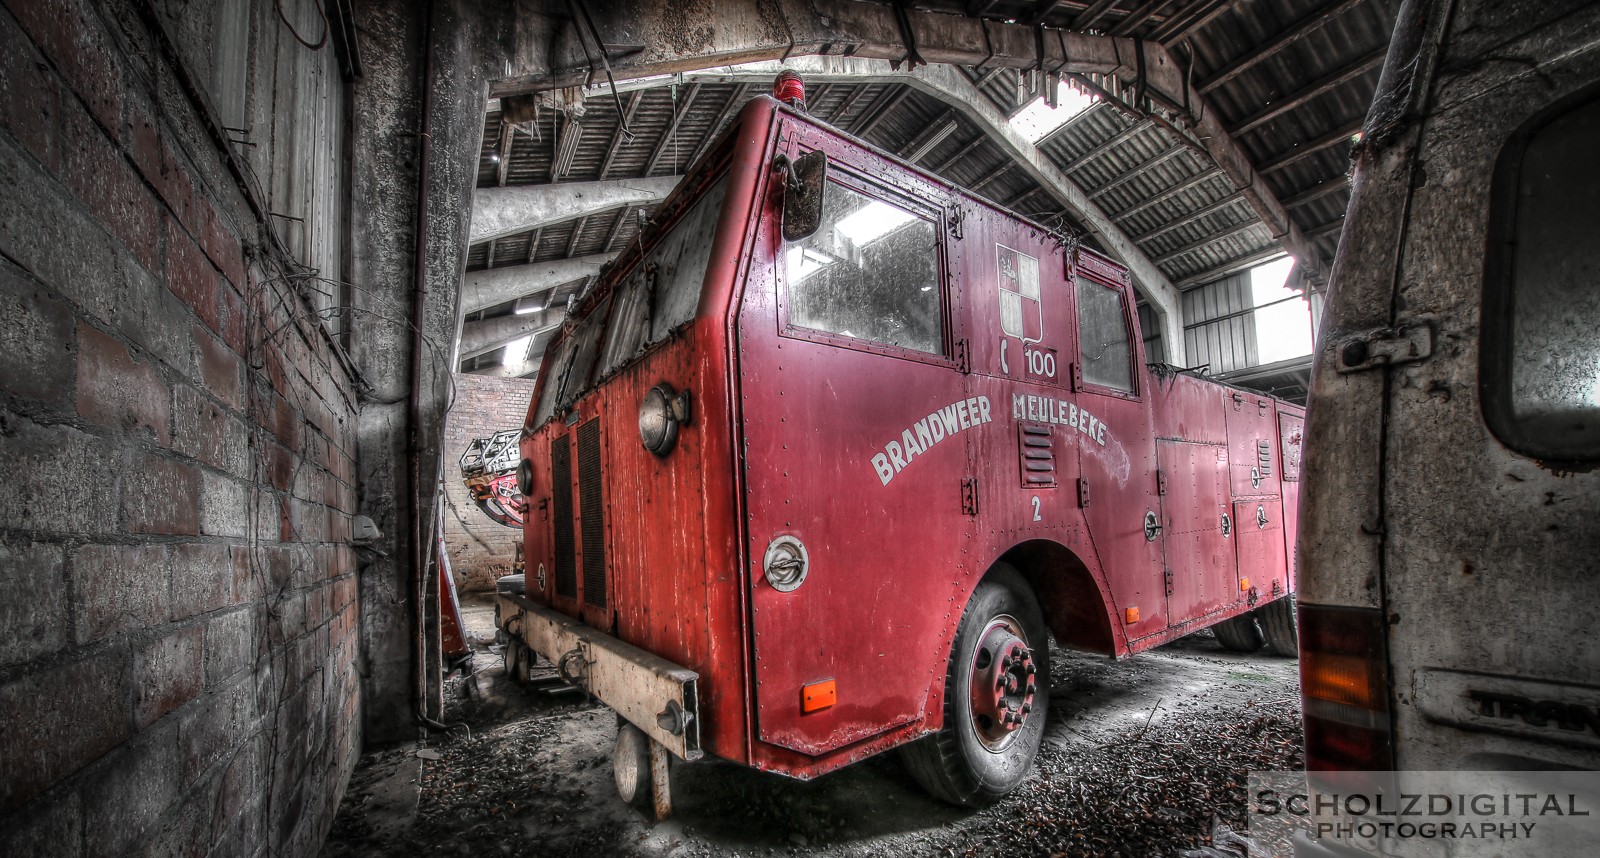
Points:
(561, 517)
(592, 508)
(1036, 448)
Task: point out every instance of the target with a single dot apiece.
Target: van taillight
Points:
(1344, 678)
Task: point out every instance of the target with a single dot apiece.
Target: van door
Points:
(851, 404)
(1477, 486)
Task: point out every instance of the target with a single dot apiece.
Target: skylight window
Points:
(1283, 320)
(1038, 119)
(516, 352)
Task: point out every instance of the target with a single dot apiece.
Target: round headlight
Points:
(525, 478)
(658, 426)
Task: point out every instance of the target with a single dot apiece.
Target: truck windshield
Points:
(659, 294)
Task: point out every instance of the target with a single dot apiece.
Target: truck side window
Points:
(569, 369)
(870, 272)
(663, 291)
(1103, 336)
(1541, 311)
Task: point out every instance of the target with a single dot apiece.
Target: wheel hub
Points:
(1003, 685)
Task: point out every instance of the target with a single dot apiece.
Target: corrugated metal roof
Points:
(1294, 76)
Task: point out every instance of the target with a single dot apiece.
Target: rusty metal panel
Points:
(1190, 409)
(1199, 549)
(1252, 443)
(652, 693)
(1258, 533)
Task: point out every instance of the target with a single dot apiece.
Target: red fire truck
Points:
(824, 459)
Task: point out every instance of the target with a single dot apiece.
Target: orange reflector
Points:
(818, 695)
(1345, 679)
(1131, 615)
(1244, 584)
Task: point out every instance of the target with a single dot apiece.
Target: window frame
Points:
(1135, 346)
(1497, 307)
(841, 174)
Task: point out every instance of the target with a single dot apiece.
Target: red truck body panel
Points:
(907, 474)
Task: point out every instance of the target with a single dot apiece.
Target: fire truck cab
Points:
(824, 460)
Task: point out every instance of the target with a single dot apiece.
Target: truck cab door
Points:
(848, 370)
(1116, 449)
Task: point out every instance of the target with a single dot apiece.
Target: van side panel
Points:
(1490, 555)
(1476, 562)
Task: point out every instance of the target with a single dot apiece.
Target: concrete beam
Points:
(525, 368)
(490, 334)
(947, 84)
(743, 31)
(498, 212)
(481, 290)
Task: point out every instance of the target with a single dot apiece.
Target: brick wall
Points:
(480, 550)
(177, 592)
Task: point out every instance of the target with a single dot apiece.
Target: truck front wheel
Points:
(996, 693)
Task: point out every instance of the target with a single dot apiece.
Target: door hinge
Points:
(969, 495)
(1386, 347)
(963, 356)
(956, 223)
(1167, 574)
(1161, 482)
(1083, 492)
(1077, 376)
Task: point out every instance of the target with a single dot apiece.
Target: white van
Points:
(1450, 523)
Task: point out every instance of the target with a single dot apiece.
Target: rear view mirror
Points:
(804, 180)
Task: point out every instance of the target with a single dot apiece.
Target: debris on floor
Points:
(1146, 757)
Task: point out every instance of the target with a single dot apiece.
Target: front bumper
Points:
(651, 693)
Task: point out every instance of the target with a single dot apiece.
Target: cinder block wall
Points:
(480, 550)
(177, 592)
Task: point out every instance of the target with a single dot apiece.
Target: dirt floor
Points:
(1144, 757)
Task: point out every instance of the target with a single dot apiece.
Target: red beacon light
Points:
(790, 89)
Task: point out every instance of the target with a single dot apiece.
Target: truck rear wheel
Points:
(1278, 625)
(1239, 634)
(997, 691)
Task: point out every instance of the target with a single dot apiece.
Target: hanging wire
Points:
(321, 13)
